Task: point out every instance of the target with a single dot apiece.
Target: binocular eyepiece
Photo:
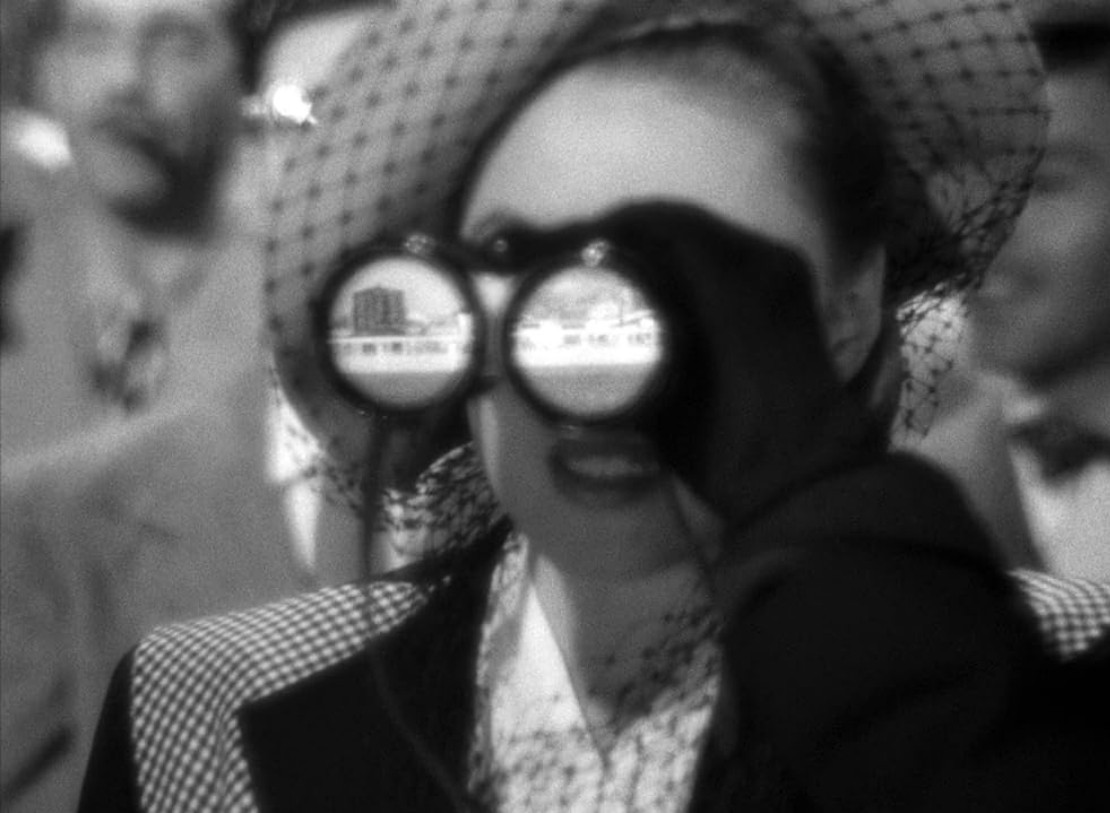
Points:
(583, 338)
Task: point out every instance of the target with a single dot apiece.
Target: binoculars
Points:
(584, 340)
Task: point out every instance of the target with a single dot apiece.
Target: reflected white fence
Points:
(542, 346)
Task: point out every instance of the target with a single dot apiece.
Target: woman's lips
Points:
(603, 468)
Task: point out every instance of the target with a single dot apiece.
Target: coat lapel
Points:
(386, 730)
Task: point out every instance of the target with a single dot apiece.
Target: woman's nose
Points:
(493, 294)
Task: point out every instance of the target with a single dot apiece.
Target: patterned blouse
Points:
(536, 749)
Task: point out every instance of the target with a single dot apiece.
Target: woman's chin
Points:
(607, 528)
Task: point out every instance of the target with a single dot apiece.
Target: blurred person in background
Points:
(197, 505)
(1027, 423)
(136, 282)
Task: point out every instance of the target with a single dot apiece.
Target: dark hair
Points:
(842, 145)
(1068, 45)
(250, 26)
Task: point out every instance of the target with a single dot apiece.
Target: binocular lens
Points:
(581, 342)
(585, 343)
(401, 333)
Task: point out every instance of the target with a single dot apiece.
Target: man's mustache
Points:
(139, 130)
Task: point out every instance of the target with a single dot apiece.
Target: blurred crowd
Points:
(152, 471)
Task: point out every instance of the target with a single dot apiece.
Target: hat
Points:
(1070, 34)
(956, 82)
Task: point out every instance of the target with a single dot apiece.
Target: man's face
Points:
(1044, 310)
(148, 91)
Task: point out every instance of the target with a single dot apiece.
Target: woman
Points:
(631, 622)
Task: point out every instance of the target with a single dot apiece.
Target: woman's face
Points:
(600, 502)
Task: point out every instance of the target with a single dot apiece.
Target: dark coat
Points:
(886, 666)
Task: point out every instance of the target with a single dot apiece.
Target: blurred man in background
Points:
(1030, 436)
(193, 505)
(135, 281)
(1043, 316)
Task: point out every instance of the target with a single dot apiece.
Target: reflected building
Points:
(379, 311)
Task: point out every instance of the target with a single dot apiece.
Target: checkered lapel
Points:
(1073, 614)
(281, 707)
(385, 730)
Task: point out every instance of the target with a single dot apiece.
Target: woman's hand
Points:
(755, 408)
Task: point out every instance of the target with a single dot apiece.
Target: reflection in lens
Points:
(588, 343)
(401, 333)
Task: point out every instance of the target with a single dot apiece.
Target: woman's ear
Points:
(853, 312)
